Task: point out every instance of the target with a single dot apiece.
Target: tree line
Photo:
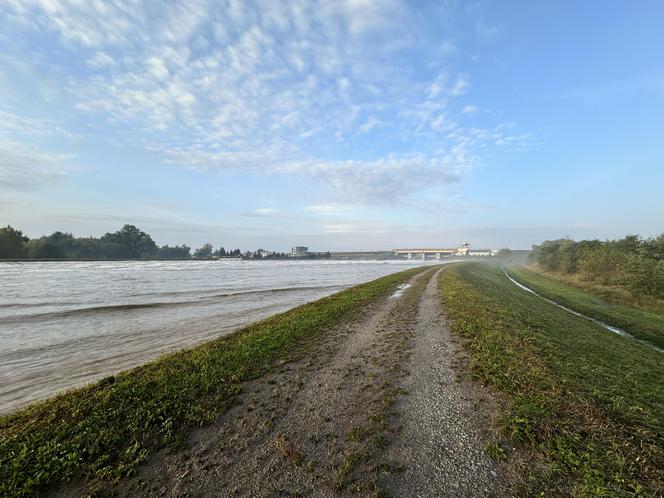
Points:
(129, 242)
(632, 263)
(208, 252)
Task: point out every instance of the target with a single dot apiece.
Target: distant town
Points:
(131, 242)
(302, 252)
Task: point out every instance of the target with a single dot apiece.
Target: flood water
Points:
(64, 324)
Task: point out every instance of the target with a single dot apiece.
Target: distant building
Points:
(299, 251)
(463, 250)
(265, 254)
(480, 252)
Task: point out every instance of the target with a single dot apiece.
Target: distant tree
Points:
(221, 252)
(86, 248)
(176, 252)
(205, 252)
(43, 248)
(12, 243)
(129, 242)
(631, 263)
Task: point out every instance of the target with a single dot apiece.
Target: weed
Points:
(495, 451)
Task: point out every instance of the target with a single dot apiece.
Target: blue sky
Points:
(339, 125)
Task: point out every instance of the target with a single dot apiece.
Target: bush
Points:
(632, 263)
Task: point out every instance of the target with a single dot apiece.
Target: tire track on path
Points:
(446, 418)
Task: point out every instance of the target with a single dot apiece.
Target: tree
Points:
(129, 242)
(631, 263)
(176, 252)
(12, 243)
(204, 252)
(85, 247)
(43, 248)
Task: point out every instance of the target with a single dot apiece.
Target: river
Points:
(65, 324)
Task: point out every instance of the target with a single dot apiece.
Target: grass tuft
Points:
(495, 451)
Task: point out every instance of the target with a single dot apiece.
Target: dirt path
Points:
(445, 418)
(374, 407)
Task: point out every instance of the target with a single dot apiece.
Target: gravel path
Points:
(373, 408)
(445, 418)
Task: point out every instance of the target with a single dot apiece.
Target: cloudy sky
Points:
(350, 124)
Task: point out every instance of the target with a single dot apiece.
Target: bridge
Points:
(422, 253)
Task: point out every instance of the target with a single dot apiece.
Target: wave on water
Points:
(38, 304)
(123, 307)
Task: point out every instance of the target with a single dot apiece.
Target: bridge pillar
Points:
(410, 255)
(438, 255)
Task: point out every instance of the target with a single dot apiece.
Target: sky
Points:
(339, 125)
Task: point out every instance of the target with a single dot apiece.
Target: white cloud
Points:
(382, 181)
(370, 124)
(157, 68)
(266, 211)
(438, 86)
(100, 60)
(461, 86)
(25, 167)
(344, 84)
(268, 88)
(327, 209)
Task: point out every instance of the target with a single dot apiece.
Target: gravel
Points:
(445, 418)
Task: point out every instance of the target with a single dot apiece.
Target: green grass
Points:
(105, 430)
(588, 402)
(645, 324)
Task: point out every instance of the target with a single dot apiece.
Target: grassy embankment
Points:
(606, 292)
(644, 323)
(105, 430)
(589, 402)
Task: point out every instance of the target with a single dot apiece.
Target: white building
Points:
(463, 250)
(480, 252)
(299, 251)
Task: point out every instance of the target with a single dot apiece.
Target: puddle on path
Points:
(400, 290)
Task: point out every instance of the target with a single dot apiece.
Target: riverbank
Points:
(104, 431)
(587, 401)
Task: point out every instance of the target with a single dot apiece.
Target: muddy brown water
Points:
(64, 324)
